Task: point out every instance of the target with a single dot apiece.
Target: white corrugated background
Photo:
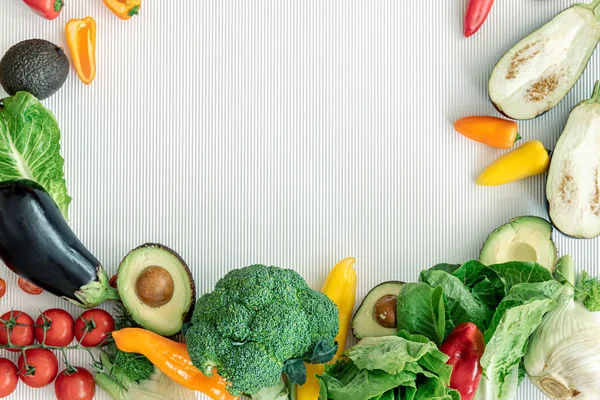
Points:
(292, 133)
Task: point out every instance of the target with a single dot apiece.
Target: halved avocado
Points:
(526, 238)
(157, 288)
(376, 316)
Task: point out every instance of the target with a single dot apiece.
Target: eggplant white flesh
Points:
(539, 71)
(573, 185)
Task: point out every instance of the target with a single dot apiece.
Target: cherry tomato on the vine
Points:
(8, 377)
(41, 368)
(2, 287)
(21, 326)
(59, 326)
(71, 385)
(93, 327)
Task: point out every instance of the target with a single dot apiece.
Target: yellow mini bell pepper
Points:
(340, 287)
(528, 160)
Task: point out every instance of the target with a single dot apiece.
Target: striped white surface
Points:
(292, 133)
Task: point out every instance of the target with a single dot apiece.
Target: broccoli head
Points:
(256, 319)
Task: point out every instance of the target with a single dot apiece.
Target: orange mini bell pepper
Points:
(173, 360)
(124, 9)
(496, 132)
(81, 39)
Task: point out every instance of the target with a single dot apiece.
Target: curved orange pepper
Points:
(124, 9)
(493, 131)
(173, 360)
(81, 39)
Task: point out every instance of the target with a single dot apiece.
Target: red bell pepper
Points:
(465, 348)
(477, 12)
(49, 9)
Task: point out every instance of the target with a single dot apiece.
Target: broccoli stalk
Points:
(283, 390)
(258, 322)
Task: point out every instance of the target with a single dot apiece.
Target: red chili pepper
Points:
(465, 347)
(477, 12)
(49, 9)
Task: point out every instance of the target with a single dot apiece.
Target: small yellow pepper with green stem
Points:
(340, 287)
(528, 160)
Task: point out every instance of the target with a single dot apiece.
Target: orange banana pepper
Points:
(496, 132)
(81, 38)
(124, 9)
(173, 360)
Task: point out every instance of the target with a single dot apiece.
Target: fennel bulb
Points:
(563, 356)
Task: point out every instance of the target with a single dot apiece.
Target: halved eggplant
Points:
(539, 71)
(573, 185)
(37, 244)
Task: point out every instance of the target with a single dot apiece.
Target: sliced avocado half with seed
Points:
(376, 316)
(526, 238)
(156, 288)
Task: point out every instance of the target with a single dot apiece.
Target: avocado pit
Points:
(385, 311)
(154, 286)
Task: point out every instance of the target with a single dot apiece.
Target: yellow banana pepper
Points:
(528, 160)
(340, 287)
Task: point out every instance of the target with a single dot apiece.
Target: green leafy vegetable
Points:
(587, 291)
(506, 301)
(389, 395)
(420, 309)
(30, 146)
(461, 305)
(377, 367)
(121, 370)
(506, 340)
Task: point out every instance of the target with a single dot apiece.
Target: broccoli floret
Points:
(285, 335)
(322, 316)
(256, 319)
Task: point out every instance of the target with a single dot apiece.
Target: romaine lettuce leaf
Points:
(30, 146)
(377, 367)
(461, 305)
(420, 309)
(517, 317)
(388, 353)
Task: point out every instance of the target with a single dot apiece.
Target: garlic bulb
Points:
(563, 355)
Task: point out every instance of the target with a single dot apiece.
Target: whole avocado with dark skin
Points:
(36, 66)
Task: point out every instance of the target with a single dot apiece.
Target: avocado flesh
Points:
(539, 71)
(166, 320)
(573, 183)
(525, 238)
(36, 66)
(364, 323)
